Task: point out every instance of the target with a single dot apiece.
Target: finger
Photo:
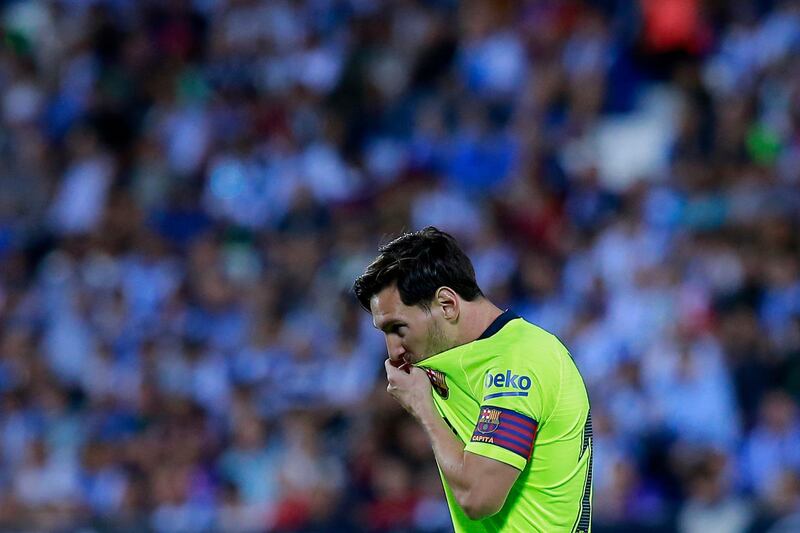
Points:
(417, 372)
(387, 364)
(392, 372)
(413, 370)
(420, 376)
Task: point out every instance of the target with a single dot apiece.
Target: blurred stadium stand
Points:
(189, 187)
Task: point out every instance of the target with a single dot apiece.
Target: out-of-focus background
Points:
(189, 187)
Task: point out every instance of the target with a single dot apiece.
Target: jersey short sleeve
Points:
(508, 419)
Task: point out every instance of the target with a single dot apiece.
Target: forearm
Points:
(449, 453)
(480, 485)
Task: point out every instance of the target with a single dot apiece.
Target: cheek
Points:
(411, 341)
(418, 344)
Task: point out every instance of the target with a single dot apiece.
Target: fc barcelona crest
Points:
(438, 382)
(489, 420)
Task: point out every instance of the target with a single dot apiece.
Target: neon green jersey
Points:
(514, 387)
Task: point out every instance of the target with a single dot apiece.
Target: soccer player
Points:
(501, 400)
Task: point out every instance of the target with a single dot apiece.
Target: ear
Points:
(449, 301)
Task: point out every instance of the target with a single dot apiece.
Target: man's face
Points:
(412, 333)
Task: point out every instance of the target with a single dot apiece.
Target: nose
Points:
(395, 348)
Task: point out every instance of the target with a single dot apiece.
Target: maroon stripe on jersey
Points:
(508, 444)
(507, 421)
(520, 420)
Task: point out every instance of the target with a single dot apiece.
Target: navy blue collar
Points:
(498, 324)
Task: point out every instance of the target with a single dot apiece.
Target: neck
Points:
(476, 317)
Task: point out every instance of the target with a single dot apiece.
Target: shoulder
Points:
(522, 342)
(520, 349)
(524, 358)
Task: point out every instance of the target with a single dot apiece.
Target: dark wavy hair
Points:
(419, 263)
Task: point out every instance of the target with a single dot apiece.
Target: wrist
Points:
(426, 412)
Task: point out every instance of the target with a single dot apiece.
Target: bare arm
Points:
(480, 485)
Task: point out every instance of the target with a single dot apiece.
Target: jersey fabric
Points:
(515, 395)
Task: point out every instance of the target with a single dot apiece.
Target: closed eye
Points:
(394, 327)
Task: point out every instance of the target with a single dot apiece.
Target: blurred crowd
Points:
(188, 189)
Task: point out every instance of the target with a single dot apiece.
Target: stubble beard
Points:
(437, 342)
